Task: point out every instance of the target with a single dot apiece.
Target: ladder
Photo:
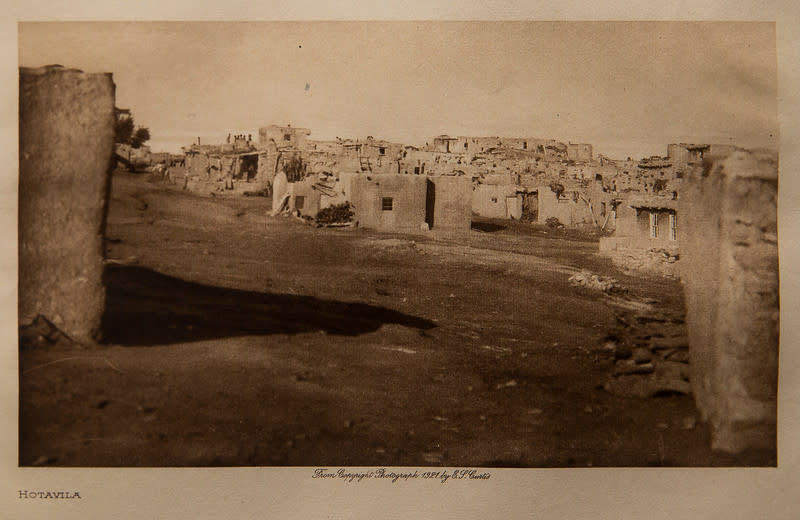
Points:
(364, 163)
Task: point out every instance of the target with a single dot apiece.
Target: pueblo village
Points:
(267, 298)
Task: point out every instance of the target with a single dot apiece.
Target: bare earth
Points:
(235, 338)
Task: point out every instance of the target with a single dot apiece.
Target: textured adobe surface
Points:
(729, 257)
(66, 141)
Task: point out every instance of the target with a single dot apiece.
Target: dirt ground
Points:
(236, 338)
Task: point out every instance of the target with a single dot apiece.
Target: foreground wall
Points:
(66, 144)
(729, 267)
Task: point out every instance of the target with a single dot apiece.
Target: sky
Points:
(629, 88)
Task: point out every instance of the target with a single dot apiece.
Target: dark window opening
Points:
(386, 204)
(416, 170)
(466, 145)
(299, 201)
(382, 151)
(525, 145)
(287, 137)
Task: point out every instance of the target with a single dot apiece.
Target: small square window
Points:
(287, 137)
(382, 151)
(386, 203)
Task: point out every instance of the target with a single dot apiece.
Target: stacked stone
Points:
(656, 362)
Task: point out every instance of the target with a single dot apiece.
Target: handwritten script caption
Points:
(395, 476)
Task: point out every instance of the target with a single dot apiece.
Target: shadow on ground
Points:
(145, 308)
(486, 227)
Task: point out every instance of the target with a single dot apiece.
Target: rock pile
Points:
(592, 281)
(652, 361)
(657, 261)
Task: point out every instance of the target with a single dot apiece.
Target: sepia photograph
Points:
(412, 261)
(446, 244)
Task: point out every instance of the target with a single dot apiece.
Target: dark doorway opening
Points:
(530, 206)
(430, 202)
(249, 167)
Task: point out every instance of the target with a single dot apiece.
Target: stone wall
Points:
(66, 143)
(729, 268)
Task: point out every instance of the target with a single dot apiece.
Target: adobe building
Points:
(579, 152)
(570, 208)
(544, 148)
(442, 144)
(412, 203)
(316, 192)
(497, 201)
(684, 154)
(140, 156)
(645, 223)
(390, 202)
(370, 155)
(66, 145)
(283, 137)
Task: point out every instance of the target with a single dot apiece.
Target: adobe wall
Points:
(567, 211)
(452, 208)
(626, 221)
(579, 152)
(729, 269)
(66, 141)
(551, 206)
(198, 165)
(489, 200)
(408, 193)
(311, 197)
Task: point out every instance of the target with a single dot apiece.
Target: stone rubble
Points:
(653, 261)
(589, 280)
(650, 360)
